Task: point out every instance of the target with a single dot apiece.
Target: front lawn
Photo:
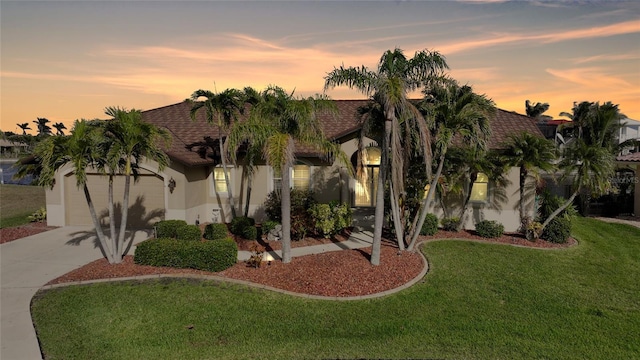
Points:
(17, 202)
(479, 301)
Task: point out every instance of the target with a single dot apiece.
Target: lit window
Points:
(218, 180)
(373, 156)
(300, 177)
(277, 179)
(480, 188)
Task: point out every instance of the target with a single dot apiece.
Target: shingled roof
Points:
(194, 141)
(633, 157)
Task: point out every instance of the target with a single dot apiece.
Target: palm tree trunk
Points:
(285, 197)
(424, 208)
(112, 223)
(223, 160)
(125, 215)
(523, 178)
(560, 209)
(248, 200)
(379, 211)
(395, 212)
(98, 226)
(465, 204)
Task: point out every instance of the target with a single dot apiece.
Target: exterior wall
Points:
(636, 193)
(502, 205)
(58, 196)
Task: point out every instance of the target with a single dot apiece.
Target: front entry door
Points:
(366, 187)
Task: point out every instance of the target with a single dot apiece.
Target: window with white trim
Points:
(300, 177)
(219, 183)
(480, 189)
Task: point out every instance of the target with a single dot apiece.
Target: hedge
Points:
(558, 230)
(489, 229)
(168, 228)
(189, 232)
(215, 231)
(211, 256)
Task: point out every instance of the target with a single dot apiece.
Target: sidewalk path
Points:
(26, 265)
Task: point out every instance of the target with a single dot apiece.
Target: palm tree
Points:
(390, 84)
(468, 162)
(59, 127)
(531, 154)
(222, 110)
(126, 142)
(24, 127)
(275, 124)
(43, 128)
(590, 158)
(536, 111)
(80, 149)
(457, 112)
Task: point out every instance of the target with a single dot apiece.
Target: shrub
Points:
(322, 219)
(330, 219)
(430, 226)
(301, 200)
(343, 216)
(39, 215)
(256, 256)
(168, 228)
(489, 229)
(189, 232)
(239, 223)
(250, 233)
(268, 226)
(558, 230)
(450, 224)
(209, 256)
(215, 231)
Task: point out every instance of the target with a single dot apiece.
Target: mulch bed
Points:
(18, 232)
(338, 274)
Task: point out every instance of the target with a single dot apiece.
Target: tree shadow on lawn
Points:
(137, 215)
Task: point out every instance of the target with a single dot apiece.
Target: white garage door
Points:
(146, 200)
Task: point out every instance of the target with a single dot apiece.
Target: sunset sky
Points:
(70, 60)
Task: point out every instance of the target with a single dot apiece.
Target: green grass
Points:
(479, 301)
(17, 202)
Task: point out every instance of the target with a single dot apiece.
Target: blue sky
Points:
(70, 60)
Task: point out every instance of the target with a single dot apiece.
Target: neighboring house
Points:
(192, 188)
(11, 149)
(630, 130)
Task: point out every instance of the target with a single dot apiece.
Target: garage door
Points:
(146, 200)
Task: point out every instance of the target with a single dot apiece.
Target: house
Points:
(192, 188)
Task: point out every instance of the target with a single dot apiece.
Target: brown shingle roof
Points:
(507, 123)
(633, 157)
(194, 141)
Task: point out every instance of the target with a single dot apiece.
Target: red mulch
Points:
(18, 232)
(339, 273)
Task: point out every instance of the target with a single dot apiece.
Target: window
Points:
(220, 185)
(300, 177)
(480, 189)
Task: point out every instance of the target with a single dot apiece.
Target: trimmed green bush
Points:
(209, 256)
(430, 226)
(558, 230)
(168, 228)
(489, 229)
(238, 224)
(250, 233)
(330, 219)
(215, 231)
(189, 232)
(450, 224)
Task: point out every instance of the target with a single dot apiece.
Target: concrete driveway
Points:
(26, 265)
